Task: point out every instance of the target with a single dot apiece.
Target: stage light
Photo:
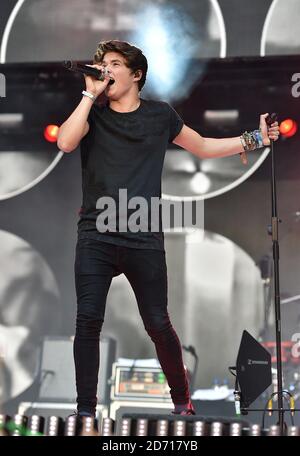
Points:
(163, 37)
(200, 183)
(216, 429)
(55, 426)
(142, 427)
(89, 427)
(199, 428)
(71, 426)
(293, 431)
(36, 425)
(235, 429)
(288, 128)
(17, 426)
(125, 427)
(162, 428)
(51, 132)
(107, 427)
(274, 431)
(254, 430)
(179, 428)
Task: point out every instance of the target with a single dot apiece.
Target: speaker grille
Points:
(57, 370)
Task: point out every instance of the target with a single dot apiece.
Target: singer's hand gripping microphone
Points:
(86, 69)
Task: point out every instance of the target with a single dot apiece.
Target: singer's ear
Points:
(138, 74)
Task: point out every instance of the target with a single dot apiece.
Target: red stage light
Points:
(288, 128)
(51, 132)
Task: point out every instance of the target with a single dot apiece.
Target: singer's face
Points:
(123, 76)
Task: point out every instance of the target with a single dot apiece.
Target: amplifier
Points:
(136, 383)
(57, 370)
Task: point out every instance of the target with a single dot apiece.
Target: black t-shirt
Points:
(125, 151)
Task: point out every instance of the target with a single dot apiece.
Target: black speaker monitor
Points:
(253, 368)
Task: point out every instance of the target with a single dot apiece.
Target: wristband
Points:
(251, 140)
(88, 94)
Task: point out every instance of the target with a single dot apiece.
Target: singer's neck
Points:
(125, 104)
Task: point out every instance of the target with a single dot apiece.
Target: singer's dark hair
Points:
(134, 57)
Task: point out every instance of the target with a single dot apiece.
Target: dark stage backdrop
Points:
(215, 287)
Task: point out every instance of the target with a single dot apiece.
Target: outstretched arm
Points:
(202, 147)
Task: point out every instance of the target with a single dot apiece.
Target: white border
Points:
(222, 28)
(35, 181)
(265, 29)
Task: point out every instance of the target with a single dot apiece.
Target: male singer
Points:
(123, 143)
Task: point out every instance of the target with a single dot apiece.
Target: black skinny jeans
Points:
(96, 263)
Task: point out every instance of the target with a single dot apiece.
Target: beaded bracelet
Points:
(251, 140)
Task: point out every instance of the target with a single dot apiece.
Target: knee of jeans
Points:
(87, 326)
(159, 327)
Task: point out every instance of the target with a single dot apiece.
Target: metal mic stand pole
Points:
(274, 232)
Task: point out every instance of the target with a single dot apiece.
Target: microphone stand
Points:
(266, 276)
(275, 244)
(273, 231)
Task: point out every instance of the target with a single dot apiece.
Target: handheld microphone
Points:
(271, 118)
(85, 69)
